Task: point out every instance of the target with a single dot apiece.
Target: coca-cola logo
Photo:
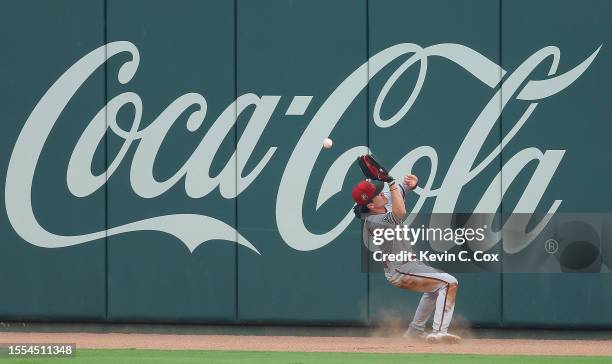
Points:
(194, 229)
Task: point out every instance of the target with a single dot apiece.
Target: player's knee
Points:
(395, 279)
(451, 290)
(452, 281)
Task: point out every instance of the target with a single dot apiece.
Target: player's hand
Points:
(411, 181)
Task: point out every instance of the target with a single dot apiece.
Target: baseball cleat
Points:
(439, 337)
(450, 338)
(434, 338)
(414, 334)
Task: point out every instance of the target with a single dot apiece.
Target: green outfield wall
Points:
(161, 161)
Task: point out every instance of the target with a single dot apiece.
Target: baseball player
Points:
(386, 210)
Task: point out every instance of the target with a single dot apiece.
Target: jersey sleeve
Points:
(402, 190)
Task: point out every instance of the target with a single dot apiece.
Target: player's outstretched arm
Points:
(399, 209)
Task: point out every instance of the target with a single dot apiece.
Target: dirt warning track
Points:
(313, 343)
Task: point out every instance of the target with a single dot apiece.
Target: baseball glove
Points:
(372, 169)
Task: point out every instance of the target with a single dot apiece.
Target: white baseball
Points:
(327, 143)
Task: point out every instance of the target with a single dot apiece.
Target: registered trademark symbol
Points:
(551, 246)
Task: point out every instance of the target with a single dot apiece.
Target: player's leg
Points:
(442, 286)
(423, 312)
(445, 304)
(415, 282)
(429, 287)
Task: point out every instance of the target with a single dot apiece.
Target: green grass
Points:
(85, 356)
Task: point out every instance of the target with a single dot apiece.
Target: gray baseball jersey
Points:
(385, 221)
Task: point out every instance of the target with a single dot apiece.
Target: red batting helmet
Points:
(365, 191)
